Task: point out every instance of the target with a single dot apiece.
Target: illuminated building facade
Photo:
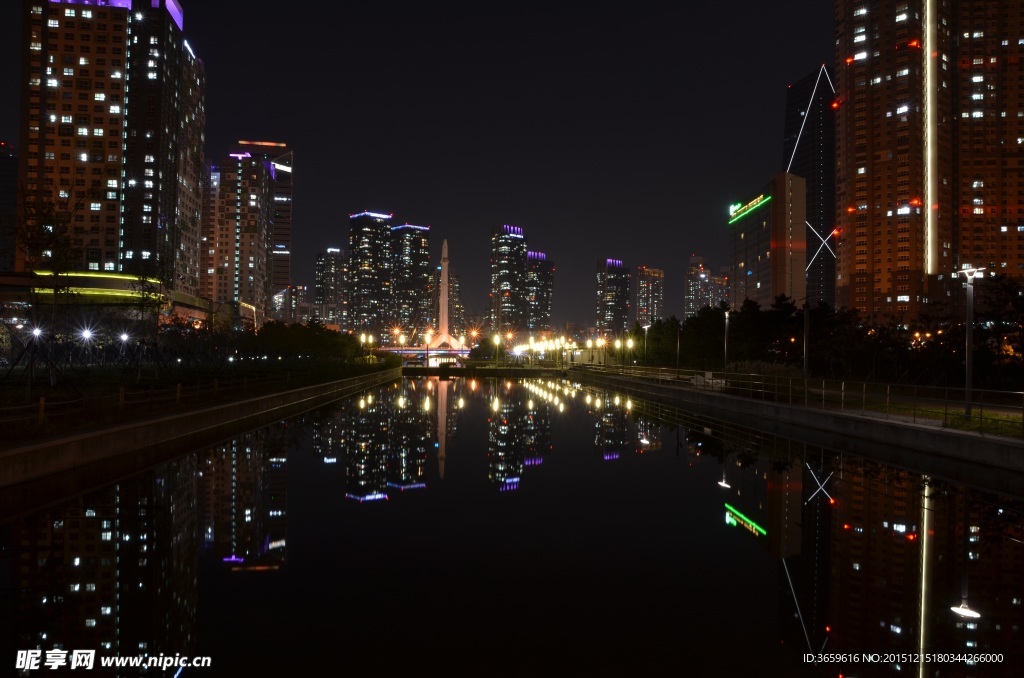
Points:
(768, 235)
(700, 288)
(809, 152)
(410, 280)
(508, 301)
(282, 160)
(116, 175)
(612, 312)
(369, 258)
(649, 302)
(540, 287)
(928, 172)
(330, 290)
(237, 217)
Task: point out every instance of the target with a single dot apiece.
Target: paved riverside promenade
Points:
(74, 463)
(994, 463)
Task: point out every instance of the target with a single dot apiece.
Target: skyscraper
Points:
(282, 160)
(700, 288)
(928, 167)
(237, 216)
(809, 152)
(612, 311)
(116, 175)
(330, 288)
(508, 280)
(649, 299)
(370, 261)
(410, 309)
(768, 243)
(540, 285)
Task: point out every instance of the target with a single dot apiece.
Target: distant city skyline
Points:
(614, 135)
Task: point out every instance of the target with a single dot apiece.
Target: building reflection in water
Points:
(873, 557)
(242, 492)
(114, 570)
(870, 558)
(518, 429)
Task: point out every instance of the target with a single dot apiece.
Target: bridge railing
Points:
(989, 412)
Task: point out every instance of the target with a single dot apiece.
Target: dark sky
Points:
(622, 134)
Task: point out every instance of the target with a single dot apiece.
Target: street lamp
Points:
(646, 327)
(969, 274)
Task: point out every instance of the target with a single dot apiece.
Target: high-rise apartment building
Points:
(508, 302)
(809, 152)
(114, 173)
(237, 217)
(330, 294)
(768, 236)
(370, 261)
(282, 161)
(928, 167)
(700, 288)
(410, 309)
(612, 311)
(540, 286)
(649, 298)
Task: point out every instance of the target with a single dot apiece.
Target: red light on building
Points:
(911, 537)
(914, 43)
(916, 202)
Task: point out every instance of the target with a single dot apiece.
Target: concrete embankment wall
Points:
(140, 444)
(994, 462)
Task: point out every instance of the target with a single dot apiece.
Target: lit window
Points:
(99, 96)
(901, 17)
(94, 206)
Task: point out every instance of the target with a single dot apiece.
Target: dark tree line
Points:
(841, 345)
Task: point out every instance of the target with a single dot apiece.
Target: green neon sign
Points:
(737, 519)
(737, 212)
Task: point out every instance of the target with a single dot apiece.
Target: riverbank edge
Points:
(993, 462)
(152, 440)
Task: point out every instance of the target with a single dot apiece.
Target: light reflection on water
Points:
(516, 528)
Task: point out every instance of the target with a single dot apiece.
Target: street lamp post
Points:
(497, 343)
(646, 327)
(969, 274)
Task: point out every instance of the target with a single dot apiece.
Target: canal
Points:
(512, 528)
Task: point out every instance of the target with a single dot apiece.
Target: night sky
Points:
(603, 134)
